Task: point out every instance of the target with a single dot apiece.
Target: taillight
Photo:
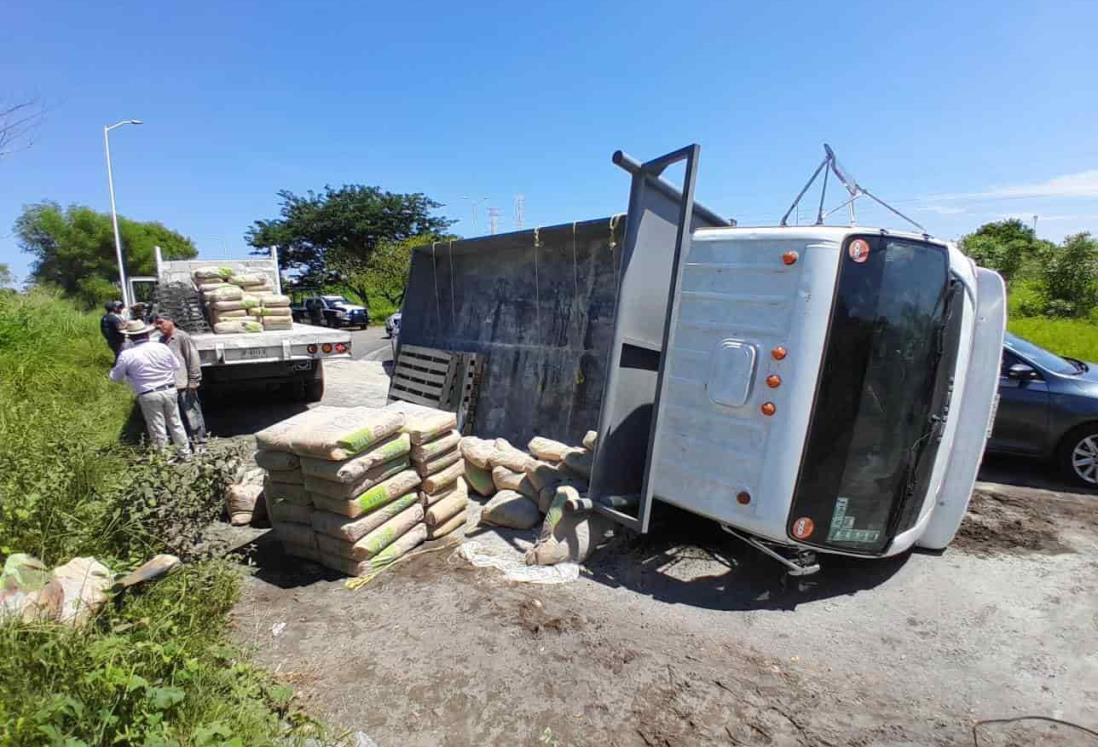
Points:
(311, 349)
(341, 347)
(326, 348)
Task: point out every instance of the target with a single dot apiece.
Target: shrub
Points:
(1069, 277)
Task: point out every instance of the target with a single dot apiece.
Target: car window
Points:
(1038, 355)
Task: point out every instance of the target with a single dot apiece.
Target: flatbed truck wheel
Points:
(313, 387)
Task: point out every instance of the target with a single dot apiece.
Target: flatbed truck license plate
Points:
(249, 353)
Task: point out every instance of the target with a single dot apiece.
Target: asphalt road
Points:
(371, 344)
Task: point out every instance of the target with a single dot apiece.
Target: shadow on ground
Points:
(243, 411)
(279, 569)
(688, 560)
(1025, 473)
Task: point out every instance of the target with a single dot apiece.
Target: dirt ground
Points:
(685, 637)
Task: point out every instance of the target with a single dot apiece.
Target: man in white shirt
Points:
(150, 368)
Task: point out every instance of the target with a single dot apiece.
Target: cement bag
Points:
(478, 452)
(278, 322)
(347, 490)
(505, 479)
(272, 311)
(432, 449)
(454, 522)
(228, 316)
(427, 425)
(380, 538)
(510, 509)
(480, 480)
(225, 293)
(308, 552)
(379, 495)
(277, 437)
(251, 325)
(590, 439)
(547, 449)
(298, 534)
(286, 476)
(457, 488)
(240, 503)
(281, 491)
(354, 469)
(248, 278)
(407, 542)
(352, 530)
(439, 480)
(573, 538)
(220, 306)
(439, 463)
(286, 511)
(508, 456)
(21, 583)
(234, 327)
(446, 509)
(344, 432)
(83, 584)
(250, 302)
(212, 273)
(544, 475)
(273, 300)
(578, 461)
(276, 460)
(207, 286)
(545, 498)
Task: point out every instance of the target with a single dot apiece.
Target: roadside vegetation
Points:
(155, 667)
(1053, 289)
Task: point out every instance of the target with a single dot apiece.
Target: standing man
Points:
(187, 378)
(111, 325)
(150, 369)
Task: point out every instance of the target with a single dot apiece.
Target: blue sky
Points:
(959, 112)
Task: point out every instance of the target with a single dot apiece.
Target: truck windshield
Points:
(872, 415)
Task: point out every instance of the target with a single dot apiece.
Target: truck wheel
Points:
(1077, 456)
(314, 390)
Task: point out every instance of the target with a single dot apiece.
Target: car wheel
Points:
(1078, 455)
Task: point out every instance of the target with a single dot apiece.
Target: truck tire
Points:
(312, 388)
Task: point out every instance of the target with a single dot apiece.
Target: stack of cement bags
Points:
(436, 457)
(288, 505)
(361, 509)
(241, 302)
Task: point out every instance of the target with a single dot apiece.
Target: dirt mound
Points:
(534, 619)
(998, 523)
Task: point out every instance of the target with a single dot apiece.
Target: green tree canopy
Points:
(7, 278)
(1069, 277)
(331, 237)
(1005, 246)
(73, 248)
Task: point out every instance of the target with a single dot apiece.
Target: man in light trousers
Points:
(149, 368)
(188, 377)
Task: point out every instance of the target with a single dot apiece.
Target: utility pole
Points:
(126, 300)
(493, 220)
(520, 212)
(1035, 226)
(475, 201)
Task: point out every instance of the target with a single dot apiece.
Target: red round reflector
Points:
(311, 349)
(790, 257)
(341, 348)
(858, 250)
(326, 347)
(743, 498)
(803, 528)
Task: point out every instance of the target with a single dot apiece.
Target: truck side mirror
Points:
(1022, 372)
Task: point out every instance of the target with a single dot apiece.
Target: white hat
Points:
(136, 327)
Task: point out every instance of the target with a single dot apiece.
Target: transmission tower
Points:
(493, 220)
(520, 212)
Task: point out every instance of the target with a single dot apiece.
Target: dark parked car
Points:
(1048, 408)
(329, 311)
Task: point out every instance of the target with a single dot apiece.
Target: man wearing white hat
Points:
(150, 369)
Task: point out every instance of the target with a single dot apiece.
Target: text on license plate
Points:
(249, 353)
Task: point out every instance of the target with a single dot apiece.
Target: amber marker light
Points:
(778, 353)
(773, 381)
(768, 408)
(790, 257)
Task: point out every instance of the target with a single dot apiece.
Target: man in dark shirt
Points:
(188, 377)
(111, 326)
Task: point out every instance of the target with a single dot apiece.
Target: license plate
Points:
(251, 353)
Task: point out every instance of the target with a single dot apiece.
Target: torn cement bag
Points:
(21, 582)
(377, 539)
(276, 460)
(444, 510)
(505, 479)
(547, 449)
(298, 534)
(277, 437)
(308, 552)
(573, 539)
(280, 491)
(508, 456)
(225, 293)
(83, 584)
(590, 439)
(286, 511)
(439, 463)
(458, 487)
(286, 476)
(240, 503)
(408, 541)
(478, 452)
(354, 469)
(578, 461)
(440, 480)
(511, 509)
(352, 530)
(428, 424)
(480, 480)
(433, 449)
(456, 521)
(379, 495)
(345, 432)
(515, 569)
(372, 477)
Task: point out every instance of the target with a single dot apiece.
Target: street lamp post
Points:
(114, 212)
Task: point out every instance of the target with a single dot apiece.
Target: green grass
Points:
(157, 667)
(1076, 338)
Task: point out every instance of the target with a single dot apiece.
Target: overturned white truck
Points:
(810, 388)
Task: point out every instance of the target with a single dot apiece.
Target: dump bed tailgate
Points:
(303, 342)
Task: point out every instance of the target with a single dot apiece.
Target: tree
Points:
(17, 122)
(7, 279)
(386, 272)
(1069, 277)
(331, 237)
(73, 248)
(1005, 246)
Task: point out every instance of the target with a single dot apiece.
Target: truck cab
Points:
(328, 310)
